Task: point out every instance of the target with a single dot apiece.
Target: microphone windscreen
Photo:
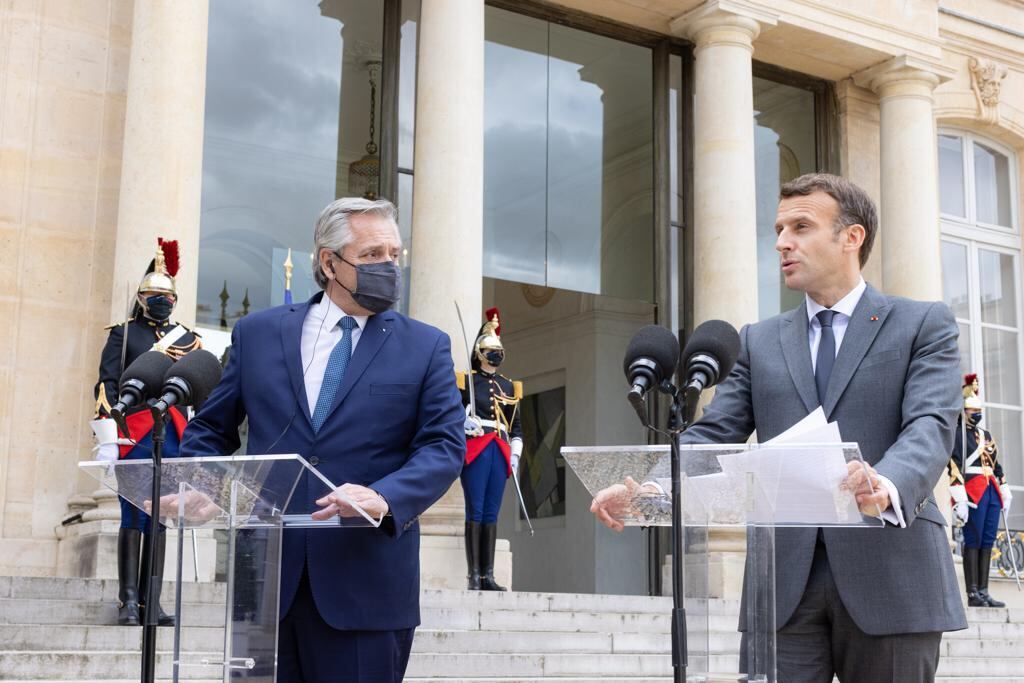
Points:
(718, 339)
(201, 370)
(656, 343)
(149, 368)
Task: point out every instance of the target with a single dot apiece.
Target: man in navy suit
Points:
(368, 396)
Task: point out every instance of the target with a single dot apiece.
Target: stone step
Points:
(98, 665)
(45, 611)
(988, 630)
(983, 648)
(569, 602)
(975, 667)
(98, 590)
(67, 638)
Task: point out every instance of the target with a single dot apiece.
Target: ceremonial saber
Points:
(522, 503)
(195, 555)
(1009, 547)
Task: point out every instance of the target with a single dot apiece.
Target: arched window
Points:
(981, 280)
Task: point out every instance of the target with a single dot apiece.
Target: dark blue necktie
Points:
(826, 354)
(336, 365)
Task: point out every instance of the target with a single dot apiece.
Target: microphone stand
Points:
(681, 410)
(151, 616)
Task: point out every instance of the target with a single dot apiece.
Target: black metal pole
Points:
(151, 616)
(676, 425)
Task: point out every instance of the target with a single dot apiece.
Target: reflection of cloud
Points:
(271, 137)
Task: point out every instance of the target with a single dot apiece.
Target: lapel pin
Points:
(874, 318)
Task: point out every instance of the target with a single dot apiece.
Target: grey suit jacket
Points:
(895, 390)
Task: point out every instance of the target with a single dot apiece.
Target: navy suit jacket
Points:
(396, 425)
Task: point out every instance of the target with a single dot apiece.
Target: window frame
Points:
(970, 222)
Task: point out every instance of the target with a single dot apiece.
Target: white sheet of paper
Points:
(797, 486)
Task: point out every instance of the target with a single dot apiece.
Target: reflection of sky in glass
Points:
(784, 148)
(550, 158)
(270, 145)
(954, 278)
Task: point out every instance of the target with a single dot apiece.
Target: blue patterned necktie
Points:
(826, 354)
(336, 364)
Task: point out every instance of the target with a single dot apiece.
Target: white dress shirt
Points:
(320, 332)
(840, 321)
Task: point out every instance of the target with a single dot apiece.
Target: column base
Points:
(443, 562)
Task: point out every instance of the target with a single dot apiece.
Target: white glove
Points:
(1004, 490)
(960, 511)
(105, 431)
(517, 452)
(472, 425)
(958, 493)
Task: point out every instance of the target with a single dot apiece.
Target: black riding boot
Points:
(163, 619)
(128, 541)
(974, 599)
(984, 559)
(488, 538)
(472, 542)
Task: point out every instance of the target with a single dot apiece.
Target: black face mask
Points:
(974, 420)
(159, 307)
(378, 285)
(494, 357)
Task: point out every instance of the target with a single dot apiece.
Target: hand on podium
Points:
(862, 479)
(198, 506)
(619, 500)
(337, 503)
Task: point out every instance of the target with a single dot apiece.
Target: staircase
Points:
(59, 630)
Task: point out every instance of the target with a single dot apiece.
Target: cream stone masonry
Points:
(447, 225)
(162, 164)
(724, 189)
(909, 209)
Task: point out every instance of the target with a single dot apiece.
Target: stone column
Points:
(909, 220)
(447, 215)
(724, 202)
(162, 160)
(724, 208)
(447, 229)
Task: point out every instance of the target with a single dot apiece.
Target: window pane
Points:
(515, 147)
(998, 295)
(287, 112)
(542, 471)
(964, 342)
(784, 140)
(951, 175)
(600, 166)
(954, 278)
(1002, 366)
(1005, 426)
(407, 82)
(405, 228)
(992, 185)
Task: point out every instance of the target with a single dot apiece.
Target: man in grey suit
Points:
(867, 605)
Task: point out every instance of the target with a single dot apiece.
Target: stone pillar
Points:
(909, 220)
(724, 205)
(447, 230)
(162, 158)
(447, 215)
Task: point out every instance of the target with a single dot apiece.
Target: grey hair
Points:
(334, 230)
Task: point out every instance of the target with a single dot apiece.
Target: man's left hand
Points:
(872, 496)
(336, 504)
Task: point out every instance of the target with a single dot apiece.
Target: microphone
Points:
(139, 382)
(710, 354)
(652, 356)
(189, 381)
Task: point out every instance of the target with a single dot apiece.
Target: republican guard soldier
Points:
(979, 493)
(149, 327)
(494, 445)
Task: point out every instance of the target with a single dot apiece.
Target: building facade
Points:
(586, 167)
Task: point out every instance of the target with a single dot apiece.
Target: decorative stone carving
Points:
(986, 81)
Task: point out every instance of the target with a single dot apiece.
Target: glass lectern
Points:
(756, 487)
(252, 499)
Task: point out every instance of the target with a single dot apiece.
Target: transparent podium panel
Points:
(751, 488)
(250, 502)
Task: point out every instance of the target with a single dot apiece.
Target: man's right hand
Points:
(615, 501)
